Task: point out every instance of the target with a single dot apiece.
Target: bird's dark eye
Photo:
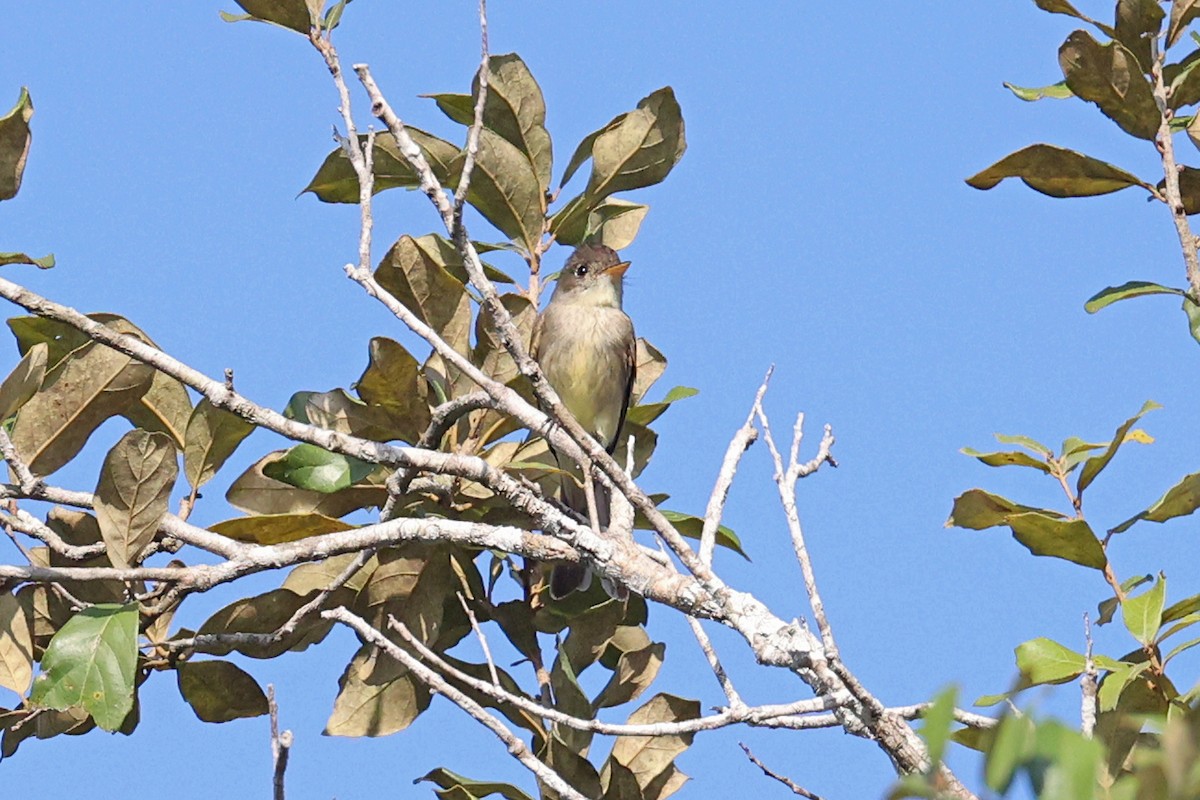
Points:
(581, 271)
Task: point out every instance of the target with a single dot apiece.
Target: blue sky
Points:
(819, 222)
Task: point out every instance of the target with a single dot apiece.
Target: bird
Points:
(585, 344)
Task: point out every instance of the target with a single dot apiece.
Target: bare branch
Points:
(1171, 170)
(788, 782)
(281, 745)
(739, 444)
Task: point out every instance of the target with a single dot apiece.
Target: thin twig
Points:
(770, 773)
(487, 652)
(741, 441)
(281, 745)
(1171, 170)
(714, 663)
(1088, 685)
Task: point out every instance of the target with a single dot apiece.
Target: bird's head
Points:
(592, 275)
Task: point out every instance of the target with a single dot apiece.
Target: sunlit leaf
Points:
(212, 436)
(337, 182)
(648, 756)
(220, 691)
(1057, 91)
(1182, 14)
(165, 408)
(88, 387)
(419, 273)
(633, 673)
(14, 145)
(363, 708)
(307, 466)
(90, 664)
(1069, 539)
(1110, 76)
(16, 645)
(1094, 465)
(24, 381)
(1007, 458)
(647, 413)
(1043, 660)
(1057, 172)
(278, 528)
(133, 492)
(938, 719)
(266, 614)
(296, 15)
(977, 510)
(41, 262)
(1143, 613)
(1107, 608)
(505, 189)
(393, 382)
(256, 493)
(1112, 294)
(456, 787)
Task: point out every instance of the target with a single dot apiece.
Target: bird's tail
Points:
(567, 578)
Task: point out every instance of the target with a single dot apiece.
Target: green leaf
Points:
(212, 436)
(1112, 684)
(296, 15)
(1007, 458)
(1026, 442)
(256, 493)
(1058, 91)
(456, 787)
(42, 262)
(24, 381)
(1112, 294)
(1182, 14)
(307, 466)
(1108, 606)
(133, 492)
(278, 528)
(1093, 466)
(1136, 22)
(1064, 7)
(938, 719)
(1110, 76)
(1057, 172)
(393, 382)
(691, 527)
(1193, 314)
(1180, 500)
(14, 144)
(647, 413)
(1069, 539)
(977, 510)
(1044, 661)
(337, 182)
(16, 645)
(220, 691)
(1183, 81)
(91, 664)
(1143, 613)
(88, 387)
(505, 189)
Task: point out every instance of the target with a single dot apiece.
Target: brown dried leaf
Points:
(220, 691)
(133, 492)
(212, 436)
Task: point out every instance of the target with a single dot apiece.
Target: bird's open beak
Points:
(617, 270)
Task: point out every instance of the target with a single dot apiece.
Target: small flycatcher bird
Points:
(586, 347)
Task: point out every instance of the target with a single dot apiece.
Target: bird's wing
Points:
(631, 365)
